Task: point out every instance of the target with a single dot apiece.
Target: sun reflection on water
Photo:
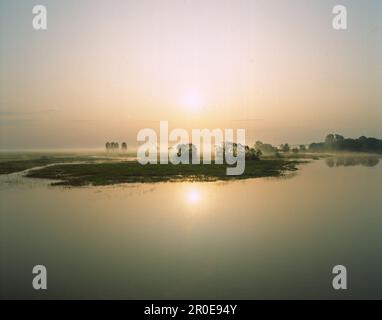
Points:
(193, 196)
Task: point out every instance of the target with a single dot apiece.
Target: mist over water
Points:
(262, 238)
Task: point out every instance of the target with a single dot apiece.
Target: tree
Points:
(338, 138)
(233, 149)
(252, 153)
(285, 147)
(295, 150)
(330, 141)
(258, 144)
(317, 147)
(265, 148)
(124, 146)
(112, 146)
(302, 148)
(189, 149)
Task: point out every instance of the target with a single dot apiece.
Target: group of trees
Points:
(114, 146)
(231, 147)
(332, 143)
(286, 148)
(187, 148)
(336, 142)
(234, 148)
(252, 153)
(268, 149)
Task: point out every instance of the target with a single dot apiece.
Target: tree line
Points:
(336, 142)
(332, 143)
(114, 146)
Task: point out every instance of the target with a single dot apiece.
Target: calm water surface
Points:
(255, 239)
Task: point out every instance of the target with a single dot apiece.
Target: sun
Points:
(193, 197)
(193, 101)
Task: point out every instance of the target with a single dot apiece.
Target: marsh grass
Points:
(133, 172)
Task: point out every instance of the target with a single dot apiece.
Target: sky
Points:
(104, 69)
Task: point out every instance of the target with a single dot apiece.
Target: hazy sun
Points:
(193, 197)
(192, 101)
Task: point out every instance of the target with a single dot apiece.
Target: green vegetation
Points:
(17, 163)
(133, 172)
(21, 165)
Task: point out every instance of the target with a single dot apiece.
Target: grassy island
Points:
(110, 173)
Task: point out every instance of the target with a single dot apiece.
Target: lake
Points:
(255, 239)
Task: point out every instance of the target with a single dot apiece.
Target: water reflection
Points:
(252, 239)
(346, 161)
(193, 196)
